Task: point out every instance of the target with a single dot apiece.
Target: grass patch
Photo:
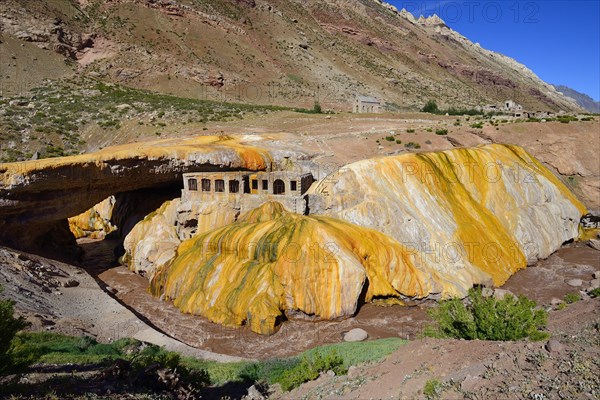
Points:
(64, 108)
(51, 348)
(277, 370)
(571, 298)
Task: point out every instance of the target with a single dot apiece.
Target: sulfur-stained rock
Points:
(35, 196)
(415, 226)
(492, 208)
(94, 223)
(272, 262)
(153, 241)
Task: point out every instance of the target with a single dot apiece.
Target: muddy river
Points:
(542, 282)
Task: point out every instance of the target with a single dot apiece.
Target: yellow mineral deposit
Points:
(95, 222)
(271, 262)
(250, 157)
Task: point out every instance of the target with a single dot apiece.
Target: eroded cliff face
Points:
(415, 226)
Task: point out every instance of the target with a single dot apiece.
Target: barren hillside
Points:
(286, 52)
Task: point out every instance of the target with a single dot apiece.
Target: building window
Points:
(219, 185)
(293, 186)
(234, 186)
(192, 184)
(254, 184)
(278, 187)
(206, 185)
(265, 184)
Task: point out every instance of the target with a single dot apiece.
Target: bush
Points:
(410, 131)
(398, 141)
(9, 326)
(430, 107)
(571, 298)
(390, 138)
(488, 318)
(412, 145)
(441, 131)
(594, 293)
(432, 389)
(477, 125)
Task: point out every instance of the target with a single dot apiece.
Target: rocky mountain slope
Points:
(287, 52)
(582, 99)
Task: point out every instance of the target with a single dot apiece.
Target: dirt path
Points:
(62, 298)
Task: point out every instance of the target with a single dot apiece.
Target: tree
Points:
(317, 108)
(9, 326)
(430, 107)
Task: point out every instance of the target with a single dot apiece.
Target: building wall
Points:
(366, 107)
(254, 189)
(245, 202)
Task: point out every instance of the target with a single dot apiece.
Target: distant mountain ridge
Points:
(582, 99)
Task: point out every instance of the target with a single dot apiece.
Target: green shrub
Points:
(594, 293)
(477, 125)
(390, 138)
(571, 298)
(430, 107)
(410, 131)
(441, 131)
(9, 326)
(488, 318)
(412, 145)
(398, 141)
(432, 389)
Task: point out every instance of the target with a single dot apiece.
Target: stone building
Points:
(366, 104)
(248, 190)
